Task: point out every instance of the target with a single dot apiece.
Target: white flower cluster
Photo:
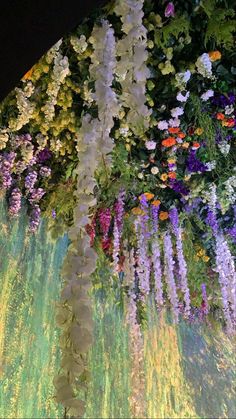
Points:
(102, 69)
(53, 52)
(224, 147)
(25, 107)
(131, 69)
(230, 189)
(205, 96)
(182, 79)
(204, 65)
(79, 44)
(59, 73)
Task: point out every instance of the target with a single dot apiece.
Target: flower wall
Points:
(123, 134)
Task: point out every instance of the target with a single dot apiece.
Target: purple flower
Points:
(194, 165)
(15, 202)
(34, 218)
(54, 213)
(44, 155)
(30, 181)
(169, 275)
(36, 195)
(170, 10)
(211, 220)
(179, 187)
(6, 165)
(104, 216)
(144, 266)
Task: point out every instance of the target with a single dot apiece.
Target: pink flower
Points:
(150, 145)
(170, 10)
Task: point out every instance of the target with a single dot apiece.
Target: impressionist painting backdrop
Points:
(118, 219)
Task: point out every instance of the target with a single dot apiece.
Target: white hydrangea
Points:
(205, 96)
(174, 122)
(25, 107)
(204, 65)
(182, 98)
(79, 44)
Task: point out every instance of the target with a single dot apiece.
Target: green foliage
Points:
(221, 28)
(176, 27)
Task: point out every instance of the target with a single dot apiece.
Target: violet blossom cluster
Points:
(143, 263)
(174, 218)
(34, 218)
(169, 275)
(15, 202)
(6, 165)
(156, 259)
(30, 181)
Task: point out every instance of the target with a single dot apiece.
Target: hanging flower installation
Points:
(123, 135)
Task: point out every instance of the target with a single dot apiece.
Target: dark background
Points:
(28, 28)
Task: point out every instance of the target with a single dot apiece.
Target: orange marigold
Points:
(163, 215)
(196, 145)
(168, 142)
(181, 135)
(220, 116)
(156, 203)
(172, 175)
(174, 130)
(28, 75)
(214, 55)
(137, 211)
(148, 195)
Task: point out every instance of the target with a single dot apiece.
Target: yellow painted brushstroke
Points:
(168, 395)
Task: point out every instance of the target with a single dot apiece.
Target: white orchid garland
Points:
(131, 70)
(25, 107)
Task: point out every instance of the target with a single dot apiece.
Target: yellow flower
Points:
(201, 253)
(137, 211)
(206, 258)
(148, 195)
(198, 131)
(171, 161)
(164, 177)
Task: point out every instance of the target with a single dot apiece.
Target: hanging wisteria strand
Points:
(117, 229)
(74, 314)
(174, 218)
(142, 234)
(169, 275)
(156, 258)
(131, 69)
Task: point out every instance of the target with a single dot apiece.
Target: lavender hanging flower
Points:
(169, 275)
(194, 165)
(173, 214)
(156, 258)
(34, 218)
(45, 171)
(143, 265)
(15, 202)
(30, 181)
(36, 195)
(6, 165)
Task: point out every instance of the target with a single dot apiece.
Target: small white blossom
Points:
(182, 98)
(205, 96)
(183, 78)
(229, 109)
(224, 148)
(150, 145)
(174, 123)
(211, 165)
(162, 125)
(175, 112)
(154, 170)
(204, 65)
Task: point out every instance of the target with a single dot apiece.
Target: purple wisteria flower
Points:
(174, 218)
(6, 165)
(36, 195)
(30, 181)
(169, 275)
(156, 259)
(34, 218)
(45, 171)
(143, 264)
(44, 155)
(15, 202)
(118, 226)
(179, 187)
(211, 220)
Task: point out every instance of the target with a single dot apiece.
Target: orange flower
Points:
(148, 195)
(196, 145)
(28, 75)
(198, 131)
(164, 177)
(174, 130)
(214, 55)
(181, 135)
(220, 116)
(185, 145)
(168, 142)
(163, 215)
(156, 203)
(137, 211)
(172, 175)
